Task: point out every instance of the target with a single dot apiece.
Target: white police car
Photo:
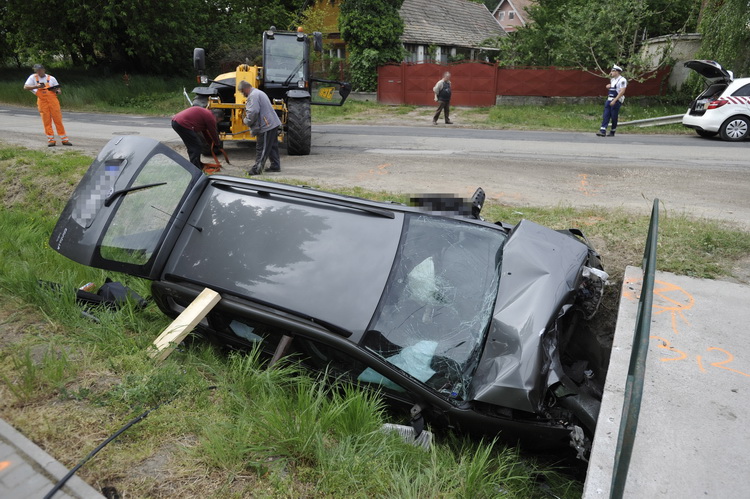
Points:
(723, 108)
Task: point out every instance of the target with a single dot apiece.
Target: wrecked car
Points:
(472, 325)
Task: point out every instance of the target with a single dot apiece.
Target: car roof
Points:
(317, 260)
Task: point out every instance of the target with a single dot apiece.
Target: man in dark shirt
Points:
(190, 122)
(442, 90)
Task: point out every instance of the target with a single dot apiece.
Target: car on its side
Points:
(468, 324)
(723, 108)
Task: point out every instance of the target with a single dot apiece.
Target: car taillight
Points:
(714, 104)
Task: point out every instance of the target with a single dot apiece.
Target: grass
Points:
(84, 91)
(228, 427)
(575, 117)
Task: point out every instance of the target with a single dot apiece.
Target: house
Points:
(324, 17)
(511, 14)
(446, 30)
(433, 31)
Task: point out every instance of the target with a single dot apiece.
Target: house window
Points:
(501, 15)
(511, 15)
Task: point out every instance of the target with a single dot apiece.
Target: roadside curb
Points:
(31, 472)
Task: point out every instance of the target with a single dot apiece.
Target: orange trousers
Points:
(49, 109)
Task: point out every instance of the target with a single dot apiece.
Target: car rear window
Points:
(433, 316)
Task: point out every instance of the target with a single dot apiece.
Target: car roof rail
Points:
(317, 197)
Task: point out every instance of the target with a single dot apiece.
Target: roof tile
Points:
(459, 23)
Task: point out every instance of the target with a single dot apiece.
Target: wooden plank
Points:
(281, 349)
(183, 324)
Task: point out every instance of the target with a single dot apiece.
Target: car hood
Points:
(540, 275)
(711, 70)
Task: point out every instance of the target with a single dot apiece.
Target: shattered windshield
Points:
(436, 308)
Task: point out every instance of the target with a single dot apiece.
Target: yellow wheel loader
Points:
(284, 77)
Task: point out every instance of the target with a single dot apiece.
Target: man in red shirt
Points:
(196, 119)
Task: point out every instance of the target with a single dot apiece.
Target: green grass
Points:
(578, 117)
(84, 91)
(69, 382)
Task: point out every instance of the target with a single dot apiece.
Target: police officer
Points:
(615, 98)
(442, 91)
(46, 88)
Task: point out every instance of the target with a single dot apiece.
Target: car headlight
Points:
(301, 83)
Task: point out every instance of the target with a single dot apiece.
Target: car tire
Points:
(706, 134)
(735, 128)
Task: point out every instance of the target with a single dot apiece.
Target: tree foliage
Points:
(135, 36)
(371, 29)
(725, 27)
(594, 34)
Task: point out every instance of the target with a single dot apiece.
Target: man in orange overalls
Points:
(46, 88)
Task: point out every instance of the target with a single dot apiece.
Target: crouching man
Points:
(264, 123)
(192, 121)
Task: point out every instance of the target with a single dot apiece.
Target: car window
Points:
(340, 364)
(246, 331)
(436, 308)
(136, 229)
(743, 91)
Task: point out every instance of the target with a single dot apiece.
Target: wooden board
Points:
(184, 323)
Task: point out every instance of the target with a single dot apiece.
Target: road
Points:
(703, 177)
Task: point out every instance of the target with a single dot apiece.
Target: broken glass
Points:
(436, 308)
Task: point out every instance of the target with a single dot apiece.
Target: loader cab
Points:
(286, 65)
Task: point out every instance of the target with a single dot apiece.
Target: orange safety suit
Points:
(49, 108)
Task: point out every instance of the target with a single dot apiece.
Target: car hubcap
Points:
(737, 129)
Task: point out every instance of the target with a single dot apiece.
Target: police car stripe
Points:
(736, 100)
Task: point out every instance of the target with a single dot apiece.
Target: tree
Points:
(372, 30)
(593, 35)
(725, 26)
(138, 35)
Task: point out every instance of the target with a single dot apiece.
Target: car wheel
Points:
(704, 133)
(735, 128)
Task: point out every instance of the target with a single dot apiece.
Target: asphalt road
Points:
(704, 177)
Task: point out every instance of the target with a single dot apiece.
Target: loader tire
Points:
(298, 130)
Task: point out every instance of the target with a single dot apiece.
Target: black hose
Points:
(91, 454)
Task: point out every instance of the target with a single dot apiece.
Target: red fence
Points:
(478, 84)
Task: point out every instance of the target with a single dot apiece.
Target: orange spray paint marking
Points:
(4, 464)
(729, 358)
(378, 170)
(585, 184)
(699, 359)
(668, 297)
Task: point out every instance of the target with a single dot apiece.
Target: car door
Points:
(741, 97)
(126, 206)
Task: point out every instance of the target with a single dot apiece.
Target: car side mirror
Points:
(199, 59)
(318, 41)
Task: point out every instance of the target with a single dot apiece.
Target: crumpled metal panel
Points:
(540, 272)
